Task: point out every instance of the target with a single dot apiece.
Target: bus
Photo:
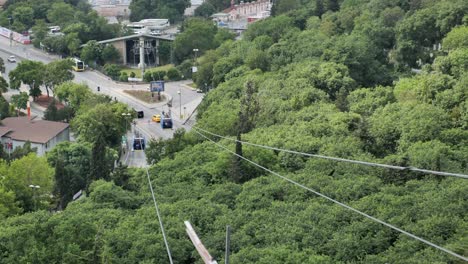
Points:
(78, 65)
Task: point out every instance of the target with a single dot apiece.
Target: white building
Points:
(43, 134)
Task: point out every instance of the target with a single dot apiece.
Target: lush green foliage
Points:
(77, 21)
(326, 77)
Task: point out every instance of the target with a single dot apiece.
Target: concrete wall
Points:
(112, 10)
(62, 136)
(16, 144)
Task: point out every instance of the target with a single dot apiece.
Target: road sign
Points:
(157, 86)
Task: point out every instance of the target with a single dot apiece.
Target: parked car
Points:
(12, 59)
(156, 118)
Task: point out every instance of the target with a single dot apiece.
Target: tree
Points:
(20, 100)
(102, 122)
(73, 43)
(4, 108)
(205, 10)
(457, 38)
(30, 170)
(60, 14)
(2, 65)
(275, 27)
(29, 72)
(198, 34)
(72, 167)
(51, 112)
(91, 52)
(257, 59)
(3, 85)
(223, 35)
(73, 94)
(246, 122)
(110, 54)
(23, 18)
(56, 73)
(40, 32)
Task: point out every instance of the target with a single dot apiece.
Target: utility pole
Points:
(228, 245)
(204, 254)
(180, 104)
(11, 32)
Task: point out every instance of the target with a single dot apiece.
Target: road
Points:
(185, 103)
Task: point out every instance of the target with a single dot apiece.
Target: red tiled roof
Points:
(38, 131)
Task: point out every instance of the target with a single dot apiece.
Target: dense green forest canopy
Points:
(357, 79)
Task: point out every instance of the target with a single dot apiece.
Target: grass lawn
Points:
(145, 96)
(193, 85)
(138, 71)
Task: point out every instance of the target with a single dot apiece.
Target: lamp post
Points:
(34, 187)
(11, 32)
(180, 103)
(195, 56)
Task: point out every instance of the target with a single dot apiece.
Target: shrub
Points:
(159, 75)
(112, 70)
(148, 76)
(173, 74)
(123, 77)
(132, 75)
(185, 68)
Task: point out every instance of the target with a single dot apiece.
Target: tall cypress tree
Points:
(249, 108)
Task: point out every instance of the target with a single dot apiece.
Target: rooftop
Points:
(37, 131)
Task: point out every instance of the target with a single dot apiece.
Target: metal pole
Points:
(180, 104)
(228, 244)
(11, 32)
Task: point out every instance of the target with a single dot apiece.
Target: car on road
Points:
(156, 118)
(12, 59)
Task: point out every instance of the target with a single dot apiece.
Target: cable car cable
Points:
(337, 202)
(366, 163)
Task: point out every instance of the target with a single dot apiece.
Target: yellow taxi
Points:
(156, 118)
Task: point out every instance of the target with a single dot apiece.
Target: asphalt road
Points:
(182, 104)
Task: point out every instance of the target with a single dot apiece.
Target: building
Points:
(137, 48)
(112, 9)
(257, 9)
(43, 134)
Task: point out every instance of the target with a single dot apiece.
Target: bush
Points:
(112, 70)
(185, 68)
(123, 77)
(154, 76)
(132, 75)
(159, 75)
(173, 74)
(147, 77)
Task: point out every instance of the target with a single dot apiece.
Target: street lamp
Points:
(125, 115)
(195, 51)
(34, 187)
(11, 32)
(180, 104)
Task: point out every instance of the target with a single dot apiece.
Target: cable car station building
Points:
(137, 48)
